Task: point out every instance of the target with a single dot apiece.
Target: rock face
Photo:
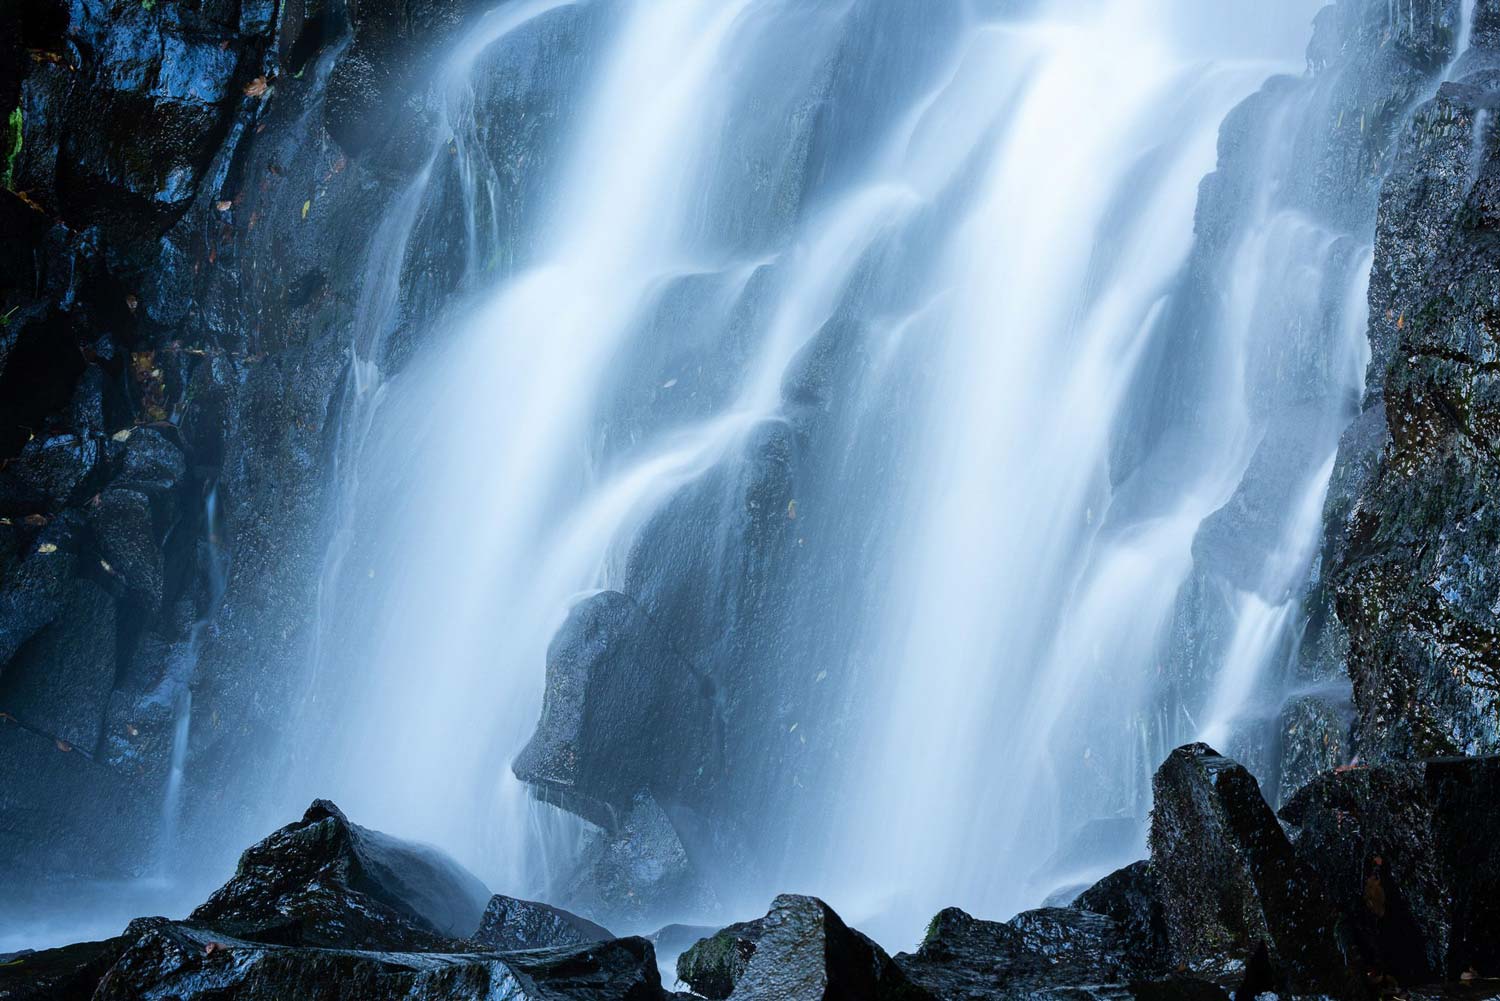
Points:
(509, 923)
(1412, 573)
(1228, 879)
(1402, 852)
(324, 881)
(190, 196)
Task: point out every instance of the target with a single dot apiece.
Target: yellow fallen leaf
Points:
(47, 547)
(121, 435)
(791, 510)
(224, 206)
(305, 206)
(256, 87)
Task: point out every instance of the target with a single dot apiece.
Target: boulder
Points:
(51, 472)
(169, 960)
(1128, 896)
(1051, 948)
(324, 881)
(805, 952)
(639, 872)
(1405, 853)
(509, 923)
(713, 965)
(622, 712)
(1228, 879)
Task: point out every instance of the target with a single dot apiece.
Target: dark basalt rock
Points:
(51, 472)
(805, 952)
(509, 923)
(1128, 896)
(59, 681)
(71, 972)
(1228, 879)
(715, 963)
(622, 713)
(639, 872)
(324, 881)
(168, 960)
(1406, 856)
(1413, 579)
(1066, 952)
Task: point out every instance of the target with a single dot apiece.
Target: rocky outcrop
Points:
(1411, 569)
(326, 882)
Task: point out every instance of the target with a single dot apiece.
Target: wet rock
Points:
(1128, 896)
(715, 963)
(372, 83)
(640, 872)
(1228, 879)
(36, 584)
(73, 971)
(324, 881)
(1047, 949)
(1413, 582)
(1401, 851)
(153, 462)
(622, 713)
(59, 682)
(1314, 739)
(805, 952)
(168, 960)
(102, 823)
(51, 472)
(125, 528)
(509, 923)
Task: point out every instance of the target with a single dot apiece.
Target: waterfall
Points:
(939, 260)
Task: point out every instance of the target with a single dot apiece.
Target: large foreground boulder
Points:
(800, 951)
(325, 881)
(1409, 856)
(170, 960)
(1229, 882)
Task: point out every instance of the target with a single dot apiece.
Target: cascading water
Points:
(940, 262)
